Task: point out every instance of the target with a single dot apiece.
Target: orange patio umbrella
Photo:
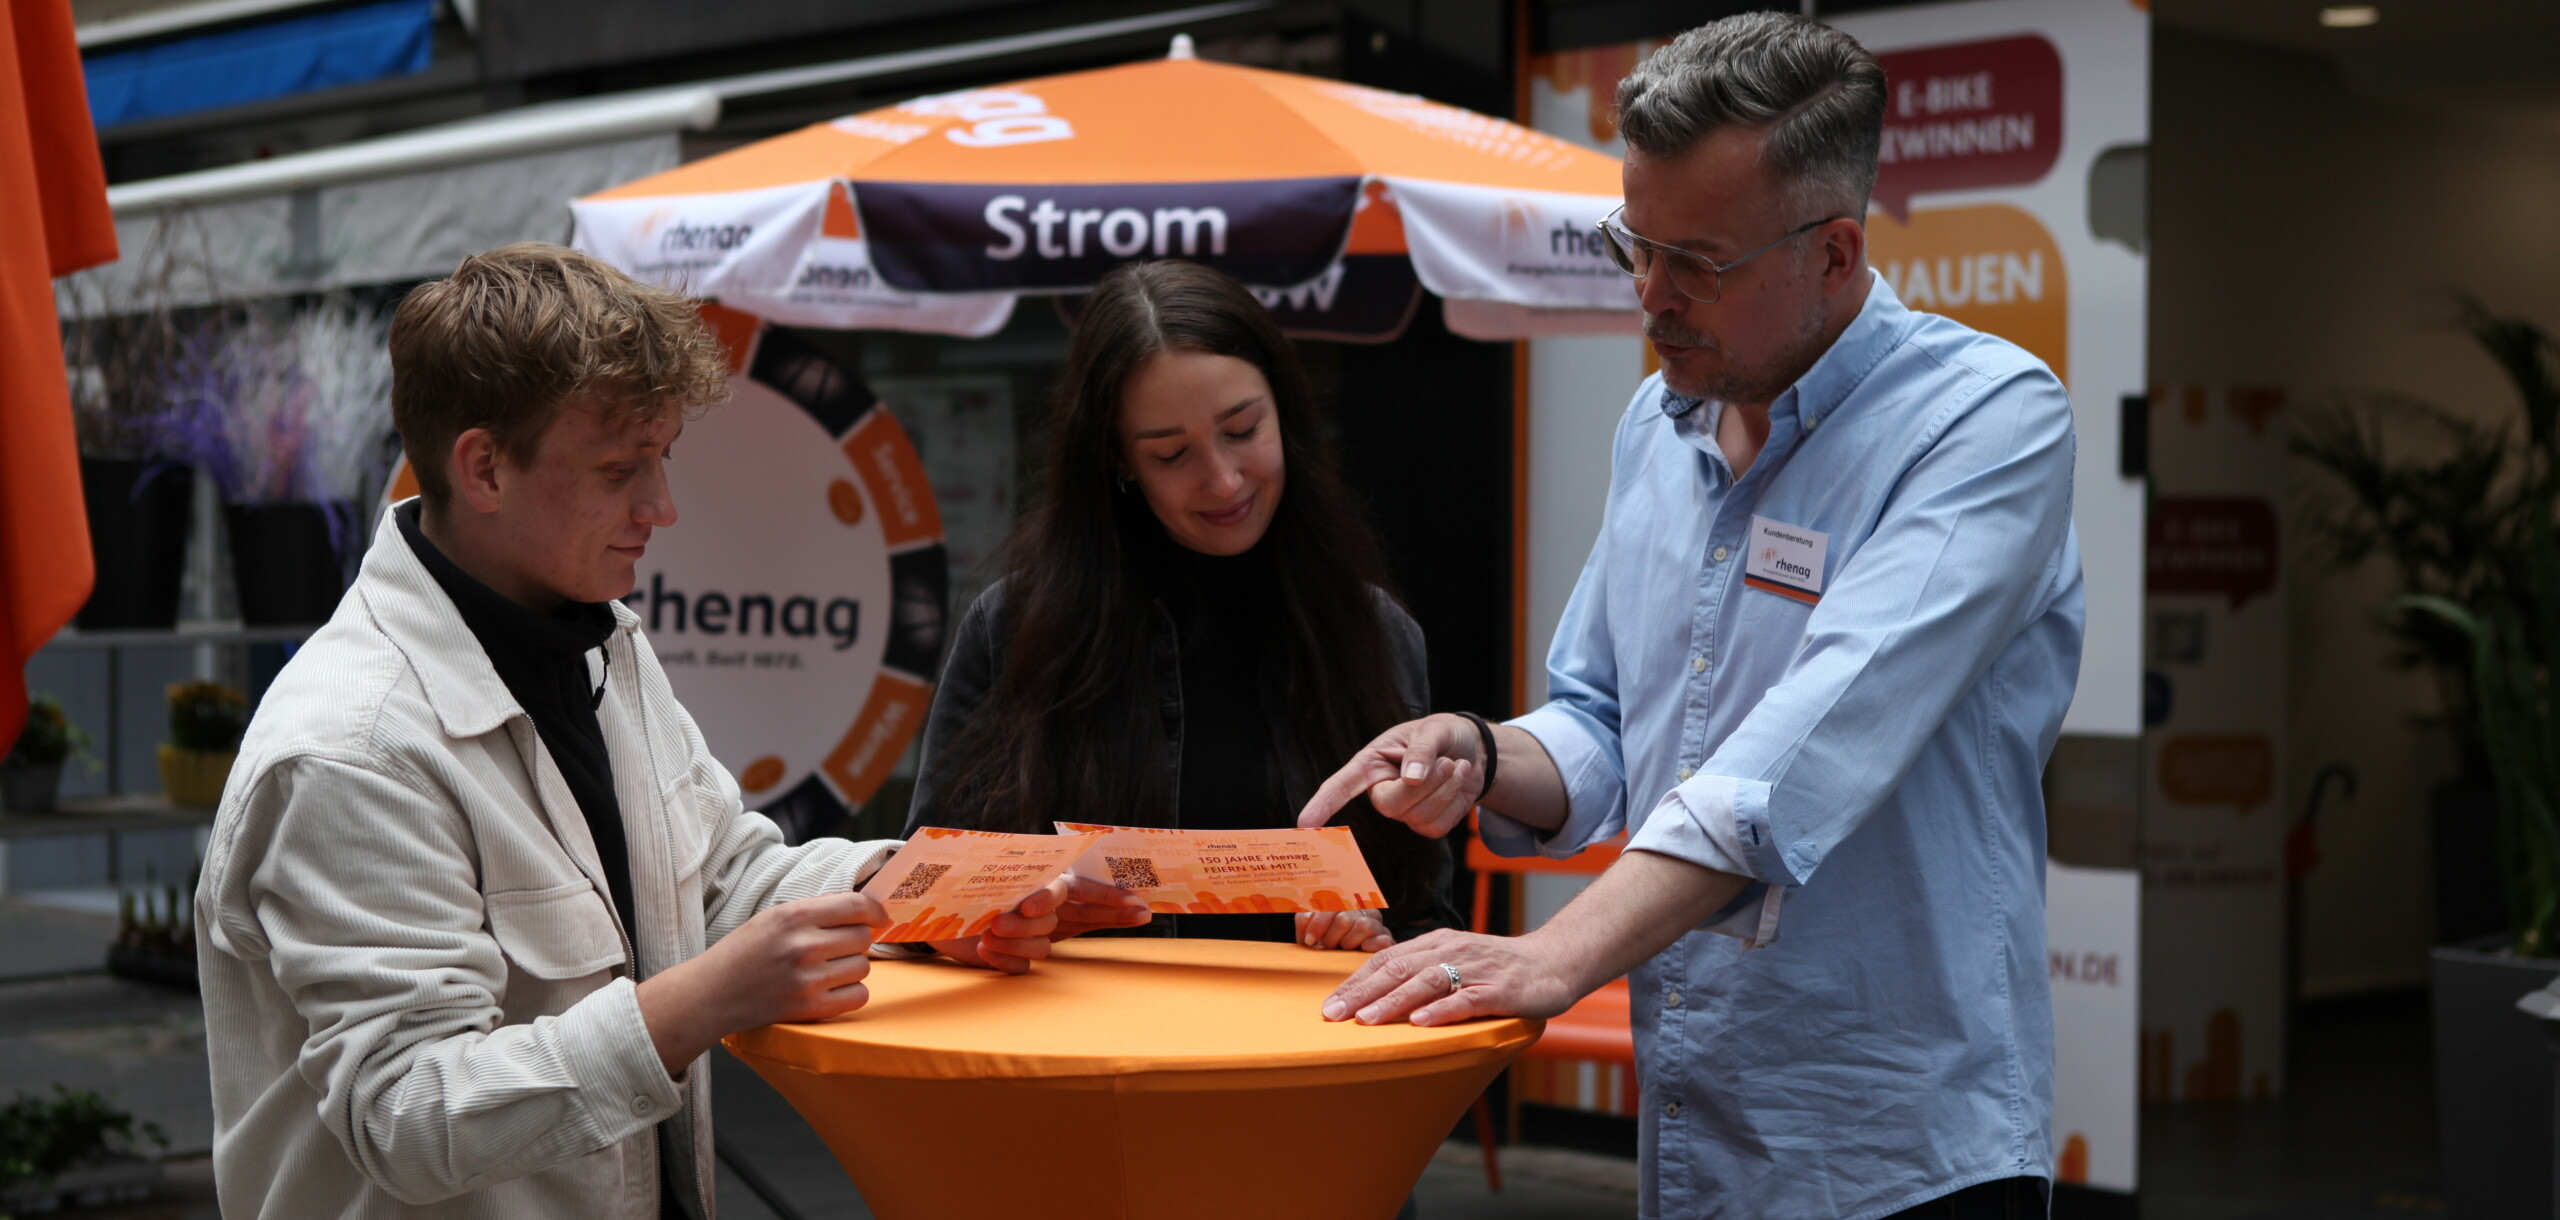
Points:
(1337, 202)
(53, 221)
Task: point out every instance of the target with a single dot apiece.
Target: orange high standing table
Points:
(1130, 1078)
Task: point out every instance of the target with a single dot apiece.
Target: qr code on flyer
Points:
(1133, 872)
(918, 880)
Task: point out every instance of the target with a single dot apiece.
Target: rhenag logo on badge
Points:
(1769, 556)
(1785, 559)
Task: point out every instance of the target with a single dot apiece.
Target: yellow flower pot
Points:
(194, 778)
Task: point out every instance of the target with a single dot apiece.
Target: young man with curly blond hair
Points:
(478, 898)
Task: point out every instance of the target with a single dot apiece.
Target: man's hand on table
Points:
(1361, 930)
(1499, 976)
(794, 961)
(1068, 906)
(1641, 904)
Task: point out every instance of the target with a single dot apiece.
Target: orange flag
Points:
(53, 221)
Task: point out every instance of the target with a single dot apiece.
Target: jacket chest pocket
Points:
(688, 830)
(562, 932)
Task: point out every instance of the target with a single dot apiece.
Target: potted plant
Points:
(2470, 528)
(205, 723)
(2494, 1096)
(2442, 497)
(31, 774)
(138, 489)
(73, 1149)
(289, 417)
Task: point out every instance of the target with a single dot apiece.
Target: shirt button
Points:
(1685, 773)
(1671, 1109)
(1809, 422)
(641, 1106)
(1671, 999)
(1697, 665)
(1721, 553)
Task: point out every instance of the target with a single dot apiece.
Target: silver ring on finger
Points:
(1455, 980)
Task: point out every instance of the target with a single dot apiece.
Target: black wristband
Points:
(1492, 755)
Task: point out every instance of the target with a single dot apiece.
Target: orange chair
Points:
(1594, 1030)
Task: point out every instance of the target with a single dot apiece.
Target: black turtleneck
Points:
(543, 660)
(1230, 779)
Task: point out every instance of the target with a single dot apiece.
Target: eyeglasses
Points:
(1698, 277)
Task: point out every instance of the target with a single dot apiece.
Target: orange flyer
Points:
(1229, 872)
(948, 884)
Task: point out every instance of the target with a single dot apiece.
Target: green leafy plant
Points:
(49, 737)
(2515, 658)
(2471, 529)
(206, 716)
(41, 1135)
(2447, 501)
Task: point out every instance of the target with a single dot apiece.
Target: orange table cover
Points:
(1129, 1078)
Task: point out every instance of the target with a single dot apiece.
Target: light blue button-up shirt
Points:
(1871, 760)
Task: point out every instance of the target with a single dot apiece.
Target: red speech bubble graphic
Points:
(2213, 544)
(1968, 114)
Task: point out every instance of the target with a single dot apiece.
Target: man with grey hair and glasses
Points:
(1814, 667)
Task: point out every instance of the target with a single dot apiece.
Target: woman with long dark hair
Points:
(1192, 626)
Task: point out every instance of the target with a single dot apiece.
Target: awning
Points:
(236, 67)
(410, 206)
(370, 231)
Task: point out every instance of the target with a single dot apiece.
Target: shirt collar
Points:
(420, 619)
(1881, 325)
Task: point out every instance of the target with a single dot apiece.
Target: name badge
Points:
(1785, 559)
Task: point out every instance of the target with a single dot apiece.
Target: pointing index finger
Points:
(1339, 790)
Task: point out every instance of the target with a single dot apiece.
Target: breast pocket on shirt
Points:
(558, 933)
(1773, 618)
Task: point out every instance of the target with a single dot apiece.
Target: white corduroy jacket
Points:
(418, 1000)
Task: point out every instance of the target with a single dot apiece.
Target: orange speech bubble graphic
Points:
(1993, 268)
(2219, 769)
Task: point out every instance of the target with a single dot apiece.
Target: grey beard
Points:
(1757, 383)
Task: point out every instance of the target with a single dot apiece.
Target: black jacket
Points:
(977, 657)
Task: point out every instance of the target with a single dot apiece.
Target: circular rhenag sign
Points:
(798, 604)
